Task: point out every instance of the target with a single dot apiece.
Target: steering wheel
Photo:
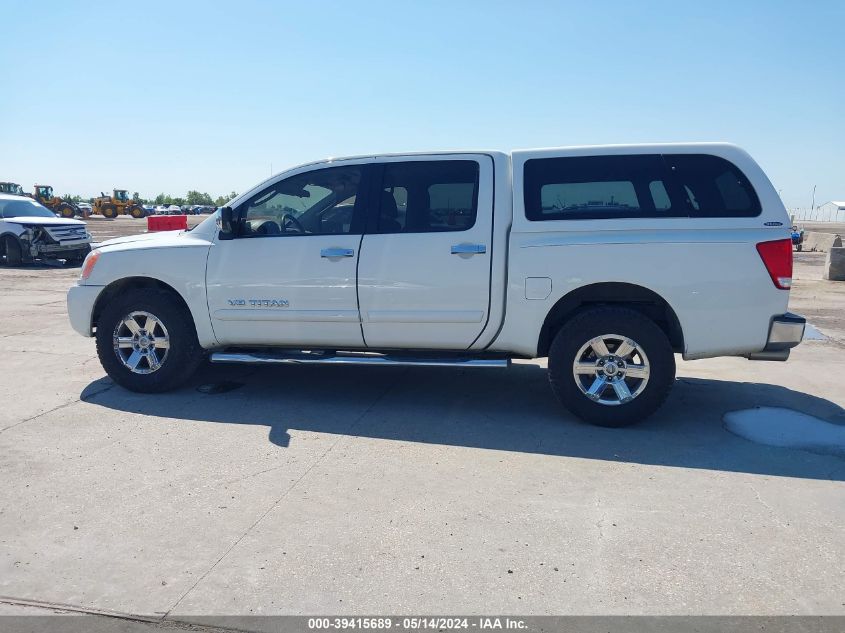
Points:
(293, 221)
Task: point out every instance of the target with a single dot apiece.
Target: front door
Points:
(424, 271)
(288, 277)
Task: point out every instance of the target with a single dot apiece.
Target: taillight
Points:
(777, 257)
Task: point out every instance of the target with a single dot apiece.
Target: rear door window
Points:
(428, 196)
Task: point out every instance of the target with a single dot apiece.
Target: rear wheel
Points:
(611, 366)
(10, 251)
(109, 211)
(146, 341)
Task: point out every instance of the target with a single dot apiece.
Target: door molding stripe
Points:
(425, 316)
(286, 315)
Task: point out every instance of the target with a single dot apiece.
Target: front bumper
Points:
(80, 307)
(35, 247)
(785, 332)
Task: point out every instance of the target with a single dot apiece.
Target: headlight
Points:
(88, 264)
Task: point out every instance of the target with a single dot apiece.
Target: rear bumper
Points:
(785, 332)
(80, 307)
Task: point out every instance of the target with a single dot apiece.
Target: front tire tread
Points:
(185, 352)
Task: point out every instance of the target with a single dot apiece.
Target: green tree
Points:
(222, 200)
(195, 197)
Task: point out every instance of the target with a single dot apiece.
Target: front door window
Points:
(320, 202)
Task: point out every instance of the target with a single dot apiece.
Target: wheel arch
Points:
(639, 298)
(24, 252)
(8, 233)
(133, 283)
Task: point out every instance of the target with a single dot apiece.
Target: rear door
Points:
(424, 268)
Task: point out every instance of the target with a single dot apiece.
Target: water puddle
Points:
(788, 429)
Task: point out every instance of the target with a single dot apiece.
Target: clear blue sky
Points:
(170, 96)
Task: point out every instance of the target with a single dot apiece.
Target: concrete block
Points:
(821, 242)
(834, 265)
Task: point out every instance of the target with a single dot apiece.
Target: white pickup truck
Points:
(607, 260)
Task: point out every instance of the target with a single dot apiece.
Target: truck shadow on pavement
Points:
(508, 410)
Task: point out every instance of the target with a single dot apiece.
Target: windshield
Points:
(24, 209)
(121, 195)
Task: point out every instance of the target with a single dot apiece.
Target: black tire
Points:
(10, 251)
(66, 211)
(601, 321)
(109, 211)
(137, 212)
(183, 356)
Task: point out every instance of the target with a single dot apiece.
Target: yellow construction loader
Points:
(119, 203)
(44, 195)
(12, 188)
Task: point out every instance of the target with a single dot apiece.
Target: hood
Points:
(163, 239)
(28, 221)
(141, 237)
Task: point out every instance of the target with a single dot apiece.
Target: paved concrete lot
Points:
(313, 490)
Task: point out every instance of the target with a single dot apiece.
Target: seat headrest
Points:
(388, 206)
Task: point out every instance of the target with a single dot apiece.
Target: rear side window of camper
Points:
(636, 186)
(714, 187)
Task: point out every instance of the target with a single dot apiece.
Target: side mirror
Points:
(226, 223)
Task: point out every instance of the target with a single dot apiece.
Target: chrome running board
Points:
(354, 358)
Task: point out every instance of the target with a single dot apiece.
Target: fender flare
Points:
(637, 296)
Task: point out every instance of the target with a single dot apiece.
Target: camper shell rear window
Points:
(637, 186)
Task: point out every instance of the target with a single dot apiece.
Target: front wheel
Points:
(137, 212)
(146, 341)
(10, 251)
(611, 366)
(66, 211)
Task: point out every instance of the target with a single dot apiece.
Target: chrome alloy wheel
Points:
(611, 369)
(141, 342)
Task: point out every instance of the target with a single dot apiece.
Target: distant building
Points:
(833, 211)
(832, 207)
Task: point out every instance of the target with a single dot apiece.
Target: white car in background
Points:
(29, 231)
(160, 209)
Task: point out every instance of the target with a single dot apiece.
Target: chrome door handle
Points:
(337, 252)
(468, 249)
